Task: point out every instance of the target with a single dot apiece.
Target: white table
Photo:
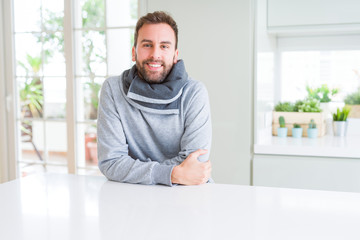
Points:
(81, 207)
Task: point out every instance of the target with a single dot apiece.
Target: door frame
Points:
(8, 136)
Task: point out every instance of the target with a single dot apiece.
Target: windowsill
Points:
(326, 146)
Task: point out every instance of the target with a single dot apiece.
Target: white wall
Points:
(265, 55)
(215, 41)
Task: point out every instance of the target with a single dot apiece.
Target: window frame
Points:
(3, 110)
(8, 163)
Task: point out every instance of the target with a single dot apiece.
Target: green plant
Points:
(284, 107)
(353, 98)
(31, 91)
(312, 124)
(296, 125)
(282, 121)
(309, 105)
(297, 104)
(31, 98)
(306, 105)
(93, 13)
(341, 115)
(323, 93)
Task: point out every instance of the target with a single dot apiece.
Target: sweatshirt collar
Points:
(159, 96)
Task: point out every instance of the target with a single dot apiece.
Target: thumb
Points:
(198, 153)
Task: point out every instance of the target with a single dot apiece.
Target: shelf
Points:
(327, 146)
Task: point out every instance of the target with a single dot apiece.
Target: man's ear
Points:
(176, 56)
(133, 54)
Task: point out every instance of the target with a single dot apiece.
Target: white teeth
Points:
(154, 65)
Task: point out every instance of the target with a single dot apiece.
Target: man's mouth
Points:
(154, 66)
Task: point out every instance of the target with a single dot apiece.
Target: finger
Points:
(209, 167)
(207, 163)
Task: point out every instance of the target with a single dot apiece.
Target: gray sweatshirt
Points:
(137, 144)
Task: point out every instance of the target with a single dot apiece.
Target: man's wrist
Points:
(175, 175)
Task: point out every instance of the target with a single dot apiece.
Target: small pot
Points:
(340, 128)
(312, 132)
(297, 132)
(282, 132)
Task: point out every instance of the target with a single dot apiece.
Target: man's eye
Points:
(147, 45)
(164, 46)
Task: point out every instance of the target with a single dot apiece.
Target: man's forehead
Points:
(159, 31)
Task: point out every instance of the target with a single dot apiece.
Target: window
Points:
(101, 35)
(40, 85)
(292, 57)
(315, 61)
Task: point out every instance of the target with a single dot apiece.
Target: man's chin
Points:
(154, 79)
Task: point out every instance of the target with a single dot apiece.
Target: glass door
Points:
(40, 86)
(102, 37)
(103, 33)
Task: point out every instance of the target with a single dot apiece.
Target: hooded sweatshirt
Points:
(144, 129)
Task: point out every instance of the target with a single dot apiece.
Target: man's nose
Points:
(155, 52)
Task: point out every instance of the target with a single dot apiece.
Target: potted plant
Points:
(340, 121)
(284, 107)
(300, 112)
(297, 131)
(308, 105)
(324, 94)
(282, 130)
(312, 131)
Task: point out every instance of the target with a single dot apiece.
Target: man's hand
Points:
(191, 171)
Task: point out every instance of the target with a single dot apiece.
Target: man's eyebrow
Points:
(166, 42)
(146, 40)
(162, 42)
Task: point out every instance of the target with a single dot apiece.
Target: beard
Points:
(153, 76)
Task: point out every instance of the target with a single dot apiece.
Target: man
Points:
(154, 123)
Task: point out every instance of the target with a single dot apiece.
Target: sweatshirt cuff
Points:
(161, 174)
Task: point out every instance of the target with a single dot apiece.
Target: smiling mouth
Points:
(154, 66)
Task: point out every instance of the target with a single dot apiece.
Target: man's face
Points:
(155, 52)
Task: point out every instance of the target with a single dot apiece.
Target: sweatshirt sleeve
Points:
(198, 128)
(114, 160)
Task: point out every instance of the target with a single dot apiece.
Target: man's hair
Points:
(155, 18)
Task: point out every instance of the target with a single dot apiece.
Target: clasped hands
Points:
(191, 171)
